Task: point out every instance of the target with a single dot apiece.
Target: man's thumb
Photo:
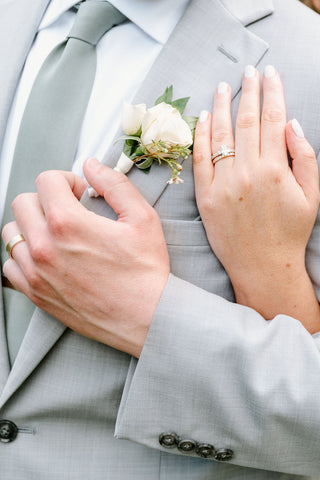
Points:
(117, 190)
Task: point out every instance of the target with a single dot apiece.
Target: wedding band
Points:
(13, 242)
(224, 152)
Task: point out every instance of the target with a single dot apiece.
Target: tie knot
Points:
(94, 19)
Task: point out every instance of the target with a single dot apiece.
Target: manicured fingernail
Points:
(249, 71)
(296, 127)
(222, 87)
(269, 71)
(203, 116)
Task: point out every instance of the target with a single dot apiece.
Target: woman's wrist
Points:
(287, 291)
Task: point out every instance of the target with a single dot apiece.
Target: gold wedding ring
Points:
(224, 152)
(13, 242)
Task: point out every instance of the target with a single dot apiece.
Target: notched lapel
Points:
(18, 25)
(16, 37)
(208, 45)
(43, 332)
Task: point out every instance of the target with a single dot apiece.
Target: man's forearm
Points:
(217, 372)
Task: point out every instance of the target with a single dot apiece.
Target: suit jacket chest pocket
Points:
(192, 259)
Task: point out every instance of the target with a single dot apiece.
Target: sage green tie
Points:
(50, 127)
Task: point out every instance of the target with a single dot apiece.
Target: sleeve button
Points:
(168, 439)
(223, 454)
(205, 450)
(187, 445)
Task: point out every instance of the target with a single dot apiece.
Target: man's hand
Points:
(102, 278)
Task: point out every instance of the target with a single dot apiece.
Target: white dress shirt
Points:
(124, 57)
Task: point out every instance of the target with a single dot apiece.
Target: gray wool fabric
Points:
(211, 370)
(50, 128)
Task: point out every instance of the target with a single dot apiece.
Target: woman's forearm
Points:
(288, 292)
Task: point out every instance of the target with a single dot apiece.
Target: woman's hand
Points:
(257, 211)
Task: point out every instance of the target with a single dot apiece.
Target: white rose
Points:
(164, 122)
(132, 116)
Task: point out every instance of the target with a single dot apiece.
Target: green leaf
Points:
(138, 152)
(166, 96)
(128, 147)
(180, 104)
(192, 122)
(138, 133)
(128, 137)
(144, 164)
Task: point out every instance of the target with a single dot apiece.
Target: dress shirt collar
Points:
(155, 17)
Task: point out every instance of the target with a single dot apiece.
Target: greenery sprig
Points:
(161, 151)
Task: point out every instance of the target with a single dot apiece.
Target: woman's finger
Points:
(222, 132)
(304, 162)
(273, 118)
(248, 119)
(202, 164)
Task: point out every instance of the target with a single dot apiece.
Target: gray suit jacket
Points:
(211, 370)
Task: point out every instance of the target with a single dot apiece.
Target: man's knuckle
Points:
(43, 176)
(18, 201)
(59, 222)
(147, 215)
(119, 180)
(6, 230)
(247, 120)
(41, 252)
(33, 278)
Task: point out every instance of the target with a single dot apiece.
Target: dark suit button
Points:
(168, 439)
(8, 431)
(205, 450)
(224, 454)
(187, 445)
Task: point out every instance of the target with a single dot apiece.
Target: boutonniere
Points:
(158, 134)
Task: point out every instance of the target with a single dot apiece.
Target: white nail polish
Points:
(222, 87)
(269, 71)
(296, 127)
(249, 71)
(203, 116)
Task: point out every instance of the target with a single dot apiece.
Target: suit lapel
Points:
(208, 45)
(43, 332)
(249, 11)
(25, 17)
(13, 54)
(4, 358)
